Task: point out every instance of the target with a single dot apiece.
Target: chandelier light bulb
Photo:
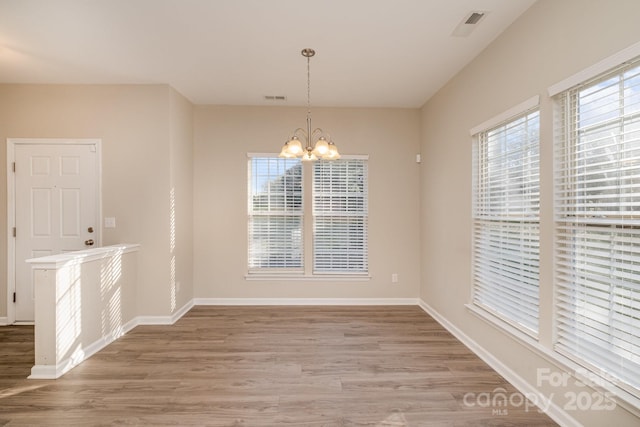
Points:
(286, 152)
(308, 156)
(295, 146)
(322, 147)
(332, 152)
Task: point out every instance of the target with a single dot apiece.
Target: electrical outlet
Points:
(394, 278)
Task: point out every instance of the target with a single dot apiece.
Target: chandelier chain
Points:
(308, 86)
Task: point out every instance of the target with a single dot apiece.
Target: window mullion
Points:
(307, 220)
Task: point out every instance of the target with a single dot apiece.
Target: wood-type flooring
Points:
(267, 366)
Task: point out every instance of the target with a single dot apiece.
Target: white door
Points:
(56, 208)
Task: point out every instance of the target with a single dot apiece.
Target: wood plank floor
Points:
(265, 366)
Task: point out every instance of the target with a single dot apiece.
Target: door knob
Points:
(89, 242)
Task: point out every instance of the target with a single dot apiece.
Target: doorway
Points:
(53, 206)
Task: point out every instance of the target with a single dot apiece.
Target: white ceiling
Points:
(370, 53)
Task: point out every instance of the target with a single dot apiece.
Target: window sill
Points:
(309, 278)
(518, 332)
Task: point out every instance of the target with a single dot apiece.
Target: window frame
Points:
(324, 210)
(511, 324)
(268, 213)
(566, 215)
(307, 272)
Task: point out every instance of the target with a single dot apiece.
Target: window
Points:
(335, 234)
(506, 199)
(340, 216)
(275, 214)
(597, 221)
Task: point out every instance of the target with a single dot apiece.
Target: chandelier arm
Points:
(317, 135)
(301, 131)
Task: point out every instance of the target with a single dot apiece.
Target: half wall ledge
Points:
(84, 300)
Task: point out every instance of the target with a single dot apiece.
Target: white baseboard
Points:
(166, 320)
(44, 372)
(51, 372)
(305, 301)
(554, 411)
(4, 321)
(154, 320)
(182, 311)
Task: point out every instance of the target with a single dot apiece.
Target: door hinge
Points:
(14, 166)
(14, 232)
(14, 297)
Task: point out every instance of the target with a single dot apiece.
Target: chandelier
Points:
(317, 143)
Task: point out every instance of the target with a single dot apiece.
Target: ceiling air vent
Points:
(474, 18)
(275, 98)
(468, 24)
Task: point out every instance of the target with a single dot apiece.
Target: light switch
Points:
(110, 222)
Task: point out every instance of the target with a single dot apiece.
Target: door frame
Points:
(11, 203)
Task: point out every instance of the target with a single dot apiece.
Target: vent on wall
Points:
(275, 98)
(468, 24)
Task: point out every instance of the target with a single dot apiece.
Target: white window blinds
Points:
(275, 214)
(506, 220)
(340, 216)
(597, 220)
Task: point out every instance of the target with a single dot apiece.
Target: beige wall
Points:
(135, 124)
(224, 136)
(551, 41)
(181, 202)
